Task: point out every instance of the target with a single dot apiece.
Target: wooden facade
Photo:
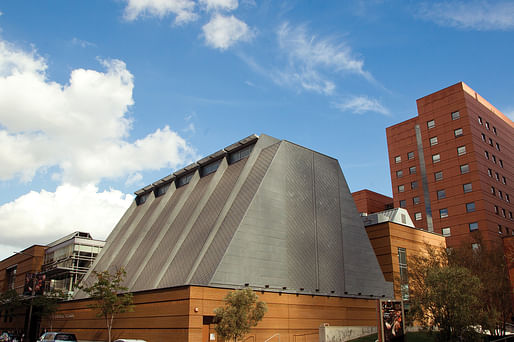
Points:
(185, 314)
(387, 237)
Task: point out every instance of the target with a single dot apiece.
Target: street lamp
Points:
(34, 278)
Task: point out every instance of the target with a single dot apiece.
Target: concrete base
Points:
(340, 334)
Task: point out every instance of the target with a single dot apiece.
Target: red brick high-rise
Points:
(452, 166)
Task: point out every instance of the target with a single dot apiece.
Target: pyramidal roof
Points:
(263, 212)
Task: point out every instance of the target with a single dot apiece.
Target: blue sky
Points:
(100, 98)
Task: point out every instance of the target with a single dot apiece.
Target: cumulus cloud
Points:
(360, 105)
(42, 217)
(81, 43)
(81, 127)
(480, 15)
(216, 5)
(184, 10)
(221, 32)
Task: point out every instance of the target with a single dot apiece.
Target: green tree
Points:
(10, 301)
(45, 306)
(445, 296)
(108, 295)
(241, 312)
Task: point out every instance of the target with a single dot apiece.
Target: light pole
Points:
(33, 294)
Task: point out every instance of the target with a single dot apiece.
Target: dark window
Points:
(209, 168)
(501, 163)
(487, 125)
(414, 185)
(415, 200)
(467, 187)
(493, 191)
(510, 215)
(503, 213)
(464, 168)
(500, 231)
(461, 150)
(140, 199)
(404, 276)
(504, 180)
(433, 141)
(480, 120)
(490, 141)
(11, 277)
(500, 194)
(443, 213)
(498, 146)
(410, 155)
(438, 175)
(486, 154)
(412, 170)
(399, 174)
(458, 132)
(161, 190)
(507, 198)
(398, 159)
(473, 226)
(496, 210)
(183, 180)
(441, 194)
(401, 188)
(430, 124)
(483, 136)
(497, 176)
(470, 207)
(494, 158)
(402, 203)
(238, 155)
(494, 130)
(455, 115)
(489, 172)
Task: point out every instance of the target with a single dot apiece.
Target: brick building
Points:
(452, 166)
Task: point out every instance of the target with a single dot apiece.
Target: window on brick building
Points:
(403, 203)
(438, 175)
(414, 185)
(399, 174)
(401, 188)
(470, 207)
(486, 154)
(473, 226)
(461, 150)
(480, 120)
(464, 168)
(417, 216)
(430, 124)
(433, 141)
(455, 115)
(443, 212)
(412, 170)
(489, 172)
(446, 231)
(398, 159)
(483, 136)
(467, 187)
(441, 194)
(458, 132)
(487, 125)
(436, 158)
(415, 200)
(410, 155)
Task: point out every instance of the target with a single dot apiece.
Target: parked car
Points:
(128, 340)
(57, 337)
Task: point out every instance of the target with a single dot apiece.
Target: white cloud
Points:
(184, 10)
(311, 59)
(42, 217)
(221, 32)
(81, 127)
(480, 15)
(216, 5)
(361, 105)
(133, 179)
(81, 43)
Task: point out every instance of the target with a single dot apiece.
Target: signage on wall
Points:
(392, 320)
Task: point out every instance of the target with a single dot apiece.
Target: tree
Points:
(47, 304)
(445, 296)
(241, 312)
(108, 298)
(10, 301)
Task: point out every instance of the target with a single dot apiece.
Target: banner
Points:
(36, 280)
(392, 322)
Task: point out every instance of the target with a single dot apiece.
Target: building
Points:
(261, 213)
(369, 202)
(452, 166)
(68, 259)
(396, 241)
(56, 266)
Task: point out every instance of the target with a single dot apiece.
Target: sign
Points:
(392, 321)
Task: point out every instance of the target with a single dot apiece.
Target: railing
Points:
(505, 338)
(277, 334)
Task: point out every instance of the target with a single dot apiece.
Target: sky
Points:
(100, 98)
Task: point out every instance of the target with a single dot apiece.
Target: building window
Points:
(473, 226)
(497, 176)
(401, 188)
(441, 194)
(414, 185)
(209, 168)
(410, 155)
(399, 174)
(240, 154)
(504, 180)
(503, 213)
(470, 207)
(455, 115)
(436, 158)
(433, 141)
(464, 168)
(467, 187)
(446, 231)
(500, 230)
(443, 212)
(438, 175)
(480, 120)
(498, 146)
(458, 132)
(430, 124)
(140, 199)
(500, 194)
(490, 141)
(507, 198)
(11, 277)
(493, 191)
(461, 150)
(412, 170)
(483, 137)
(501, 163)
(402, 203)
(494, 130)
(475, 246)
(494, 159)
(161, 190)
(510, 215)
(486, 154)
(496, 210)
(487, 125)
(398, 159)
(183, 180)
(489, 172)
(415, 200)
(404, 277)
(418, 216)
